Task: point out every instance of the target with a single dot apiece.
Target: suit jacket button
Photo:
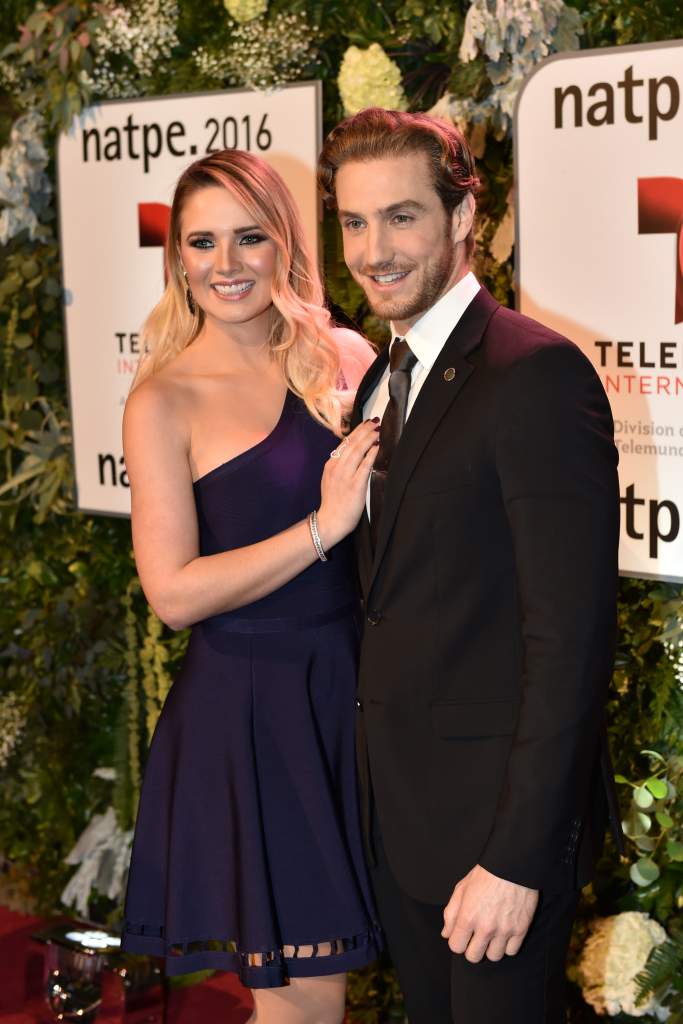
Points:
(359, 704)
(374, 617)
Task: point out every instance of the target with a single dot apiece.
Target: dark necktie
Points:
(401, 363)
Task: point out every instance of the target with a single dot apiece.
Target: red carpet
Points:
(221, 999)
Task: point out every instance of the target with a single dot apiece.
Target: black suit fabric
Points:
(490, 604)
(442, 988)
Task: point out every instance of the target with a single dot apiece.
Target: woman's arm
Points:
(182, 586)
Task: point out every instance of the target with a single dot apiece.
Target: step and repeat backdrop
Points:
(599, 168)
(599, 191)
(117, 169)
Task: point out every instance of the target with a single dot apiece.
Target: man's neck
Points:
(401, 327)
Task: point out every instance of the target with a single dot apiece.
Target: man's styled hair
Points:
(374, 134)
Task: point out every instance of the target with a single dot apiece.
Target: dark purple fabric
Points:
(248, 836)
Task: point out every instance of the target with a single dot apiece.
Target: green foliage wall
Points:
(84, 664)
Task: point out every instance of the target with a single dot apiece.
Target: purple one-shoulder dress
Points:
(248, 837)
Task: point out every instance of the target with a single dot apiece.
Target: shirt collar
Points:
(428, 335)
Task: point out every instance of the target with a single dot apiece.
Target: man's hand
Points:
(487, 915)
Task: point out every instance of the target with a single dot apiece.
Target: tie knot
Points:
(401, 357)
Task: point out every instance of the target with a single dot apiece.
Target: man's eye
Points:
(353, 225)
(402, 218)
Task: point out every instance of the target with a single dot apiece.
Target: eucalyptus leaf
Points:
(23, 341)
(657, 787)
(643, 797)
(674, 850)
(655, 754)
(30, 419)
(644, 872)
(52, 287)
(29, 269)
(35, 22)
(636, 824)
(26, 389)
(53, 340)
(664, 819)
(644, 821)
(11, 283)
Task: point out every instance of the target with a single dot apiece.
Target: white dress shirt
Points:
(426, 338)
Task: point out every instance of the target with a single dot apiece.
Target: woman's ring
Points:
(338, 452)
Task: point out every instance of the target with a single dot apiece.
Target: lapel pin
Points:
(449, 374)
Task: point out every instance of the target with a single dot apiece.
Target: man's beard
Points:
(431, 289)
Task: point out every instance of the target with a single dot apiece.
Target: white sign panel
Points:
(117, 170)
(599, 164)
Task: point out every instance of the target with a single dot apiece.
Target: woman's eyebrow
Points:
(235, 231)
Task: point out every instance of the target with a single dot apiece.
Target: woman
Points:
(247, 853)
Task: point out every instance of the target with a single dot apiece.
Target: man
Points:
(488, 565)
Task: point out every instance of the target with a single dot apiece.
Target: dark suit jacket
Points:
(490, 607)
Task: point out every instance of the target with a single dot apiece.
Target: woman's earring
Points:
(189, 297)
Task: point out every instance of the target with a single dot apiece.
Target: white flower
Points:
(513, 36)
(616, 951)
(25, 188)
(245, 10)
(368, 78)
(143, 37)
(103, 853)
(263, 54)
(12, 722)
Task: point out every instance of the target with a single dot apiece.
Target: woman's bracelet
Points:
(315, 536)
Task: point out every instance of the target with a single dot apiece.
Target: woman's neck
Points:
(235, 348)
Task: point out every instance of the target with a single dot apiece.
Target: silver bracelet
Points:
(315, 536)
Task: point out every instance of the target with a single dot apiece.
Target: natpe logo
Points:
(660, 211)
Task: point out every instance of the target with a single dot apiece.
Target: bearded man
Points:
(488, 566)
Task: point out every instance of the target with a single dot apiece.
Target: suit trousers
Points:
(441, 987)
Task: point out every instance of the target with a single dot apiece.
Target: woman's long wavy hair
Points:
(300, 337)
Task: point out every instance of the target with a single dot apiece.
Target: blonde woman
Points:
(247, 854)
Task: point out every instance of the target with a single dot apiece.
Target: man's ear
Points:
(463, 218)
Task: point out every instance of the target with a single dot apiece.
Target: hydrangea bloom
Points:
(25, 188)
(616, 951)
(368, 78)
(245, 10)
(513, 36)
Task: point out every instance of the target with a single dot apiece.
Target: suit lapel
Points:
(438, 392)
(368, 384)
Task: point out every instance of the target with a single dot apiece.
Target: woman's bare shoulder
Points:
(157, 395)
(356, 354)
(157, 412)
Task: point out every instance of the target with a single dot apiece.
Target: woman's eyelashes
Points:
(202, 243)
(207, 242)
(252, 239)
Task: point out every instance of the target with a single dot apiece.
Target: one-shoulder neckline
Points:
(255, 448)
